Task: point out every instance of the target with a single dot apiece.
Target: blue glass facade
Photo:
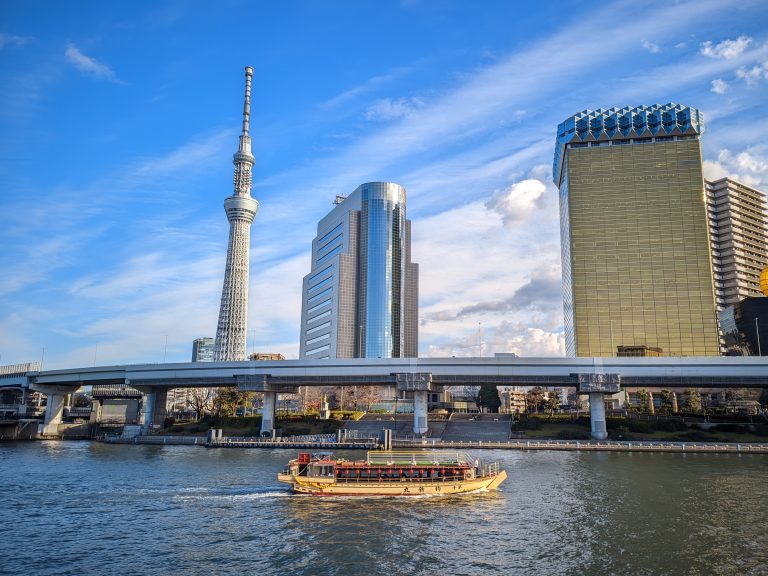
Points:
(361, 297)
(565, 254)
(383, 223)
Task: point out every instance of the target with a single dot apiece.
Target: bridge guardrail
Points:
(599, 445)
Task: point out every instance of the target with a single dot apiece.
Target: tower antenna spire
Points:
(247, 102)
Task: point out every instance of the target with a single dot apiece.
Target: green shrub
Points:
(736, 428)
(696, 436)
(619, 433)
(528, 424)
(670, 425)
(573, 435)
(639, 426)
(557, 418)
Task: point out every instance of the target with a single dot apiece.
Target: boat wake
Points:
(240, 497)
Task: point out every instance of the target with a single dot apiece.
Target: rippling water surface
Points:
(90, 508)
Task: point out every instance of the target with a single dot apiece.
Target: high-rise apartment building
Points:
(738, 217)
(636, 259)
(202, 350)
(360, 299)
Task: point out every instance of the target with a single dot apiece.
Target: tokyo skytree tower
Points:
(241, 210)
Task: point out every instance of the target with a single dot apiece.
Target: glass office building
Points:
(360, 299)
(634, 233)
(202, 350)
(743, 324)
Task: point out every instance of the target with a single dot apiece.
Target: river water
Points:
(92, 508)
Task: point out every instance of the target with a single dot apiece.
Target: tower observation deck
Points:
(241, 209)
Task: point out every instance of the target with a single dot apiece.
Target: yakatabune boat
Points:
(390, 474)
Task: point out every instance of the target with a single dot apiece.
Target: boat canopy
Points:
(389, 458)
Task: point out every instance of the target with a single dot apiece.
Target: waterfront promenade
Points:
(513, 444)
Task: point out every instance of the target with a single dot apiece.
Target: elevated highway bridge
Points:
(594, 376)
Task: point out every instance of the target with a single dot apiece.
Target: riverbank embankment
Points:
(512, 444)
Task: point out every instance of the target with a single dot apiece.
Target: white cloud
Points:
(748, 166)
(275, 314)
(753, 75)
(727, 49)
(388, 109)
(369, 85)
(89, 65)
(517, 202)
(11, 40)
(506, 336)
(651, 47)
(719, 86)
(195, 154)
(485, 272)
(526, 341)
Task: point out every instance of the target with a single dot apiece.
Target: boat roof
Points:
(433, 458)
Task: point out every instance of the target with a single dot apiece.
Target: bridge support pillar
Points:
(147, 409)
(420, 383)
(268, 412)
(153, 410)
(54, 410)
(597, 415)
(420, 425)
(160, 410)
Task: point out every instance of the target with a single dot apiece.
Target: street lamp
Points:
(757, 331)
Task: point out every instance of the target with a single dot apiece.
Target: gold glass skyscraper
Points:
(635, 243)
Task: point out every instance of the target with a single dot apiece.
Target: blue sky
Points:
(118, 121)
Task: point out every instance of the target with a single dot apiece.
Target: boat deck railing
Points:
(379, 480)
(429, 458)
(491, 469)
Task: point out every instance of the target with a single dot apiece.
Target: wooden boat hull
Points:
(324, 486)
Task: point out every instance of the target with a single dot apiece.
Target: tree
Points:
(228, 399)
(643, 397)
(366, 396)
(81, 401)
(311, 396)
(732, 398)
(692, 401)
(488, 398)
(666, 402)
(534, 399)
(553, 402)
(200, 401)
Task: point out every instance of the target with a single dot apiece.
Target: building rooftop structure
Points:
(627, 125)
(266, 356)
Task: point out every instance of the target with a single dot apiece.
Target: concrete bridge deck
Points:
(595, 376)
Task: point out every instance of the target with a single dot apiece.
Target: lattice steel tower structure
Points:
(241, 210)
